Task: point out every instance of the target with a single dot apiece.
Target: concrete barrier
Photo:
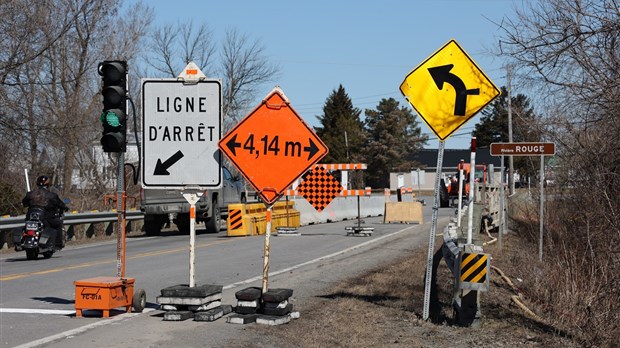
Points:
(340, 209)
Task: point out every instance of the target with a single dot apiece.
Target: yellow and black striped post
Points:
(474, 271)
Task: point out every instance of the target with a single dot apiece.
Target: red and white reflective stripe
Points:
(343, 166)
(365, 192)
(406, 190)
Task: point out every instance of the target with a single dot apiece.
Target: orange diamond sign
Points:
(272, 146)
(319, 188)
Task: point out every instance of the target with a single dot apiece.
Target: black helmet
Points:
(43, 180)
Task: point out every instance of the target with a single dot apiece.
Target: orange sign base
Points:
(103, 293)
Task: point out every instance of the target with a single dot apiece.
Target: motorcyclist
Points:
(43, 199)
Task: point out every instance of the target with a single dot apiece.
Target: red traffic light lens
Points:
(112, 72)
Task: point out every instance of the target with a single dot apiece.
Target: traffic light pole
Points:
(120, 208)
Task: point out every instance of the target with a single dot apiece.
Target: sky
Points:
(368, 47)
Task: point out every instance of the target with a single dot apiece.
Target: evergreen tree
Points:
(394, 136)
(493, 127)
(341, 128)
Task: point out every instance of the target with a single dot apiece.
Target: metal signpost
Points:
(272, 147)
(181, 126)
(460, 204)
(528, 149)
(446, 90)
(472, 181)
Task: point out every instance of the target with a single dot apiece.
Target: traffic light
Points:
(114, 117)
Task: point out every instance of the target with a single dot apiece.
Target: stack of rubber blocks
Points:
(202, 303)
(271, 308)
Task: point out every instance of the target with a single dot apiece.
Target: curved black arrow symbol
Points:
(442, 74)
(162, 168)
(312, 149)
(232, 144)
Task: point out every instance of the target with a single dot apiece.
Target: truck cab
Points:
(161, 207)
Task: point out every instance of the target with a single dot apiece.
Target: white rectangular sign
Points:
(181, 128)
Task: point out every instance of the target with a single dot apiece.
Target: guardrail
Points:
(342, 208)
(88, 219)
(9, 223)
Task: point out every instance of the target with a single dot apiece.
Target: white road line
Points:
(78, 330)
(119, 317)
(344, 251)
(37, 311)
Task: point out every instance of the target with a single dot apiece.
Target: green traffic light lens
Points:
(110, 118)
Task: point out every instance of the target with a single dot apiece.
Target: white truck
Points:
(161, 207)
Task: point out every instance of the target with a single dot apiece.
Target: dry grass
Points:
(575, 286)
(384, 308)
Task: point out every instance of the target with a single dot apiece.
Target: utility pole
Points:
(511, 180)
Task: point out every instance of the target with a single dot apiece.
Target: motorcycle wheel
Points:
(32, 254)
(48, 254)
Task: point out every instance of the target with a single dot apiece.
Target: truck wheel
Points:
(214, 222)
(32, 254)
(444, 199)
(138, 301)
(152, 227)
(182, 222)
(48, 254)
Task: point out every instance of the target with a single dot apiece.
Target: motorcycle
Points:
(37, 238)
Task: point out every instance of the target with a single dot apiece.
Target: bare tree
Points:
(569, 51)
(242, 64)
(21, 35)
(175, 45)
(50, 102)
(245, 68)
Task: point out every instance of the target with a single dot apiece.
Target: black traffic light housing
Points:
(114, 116)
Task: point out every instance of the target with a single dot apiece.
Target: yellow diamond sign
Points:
(448, 89)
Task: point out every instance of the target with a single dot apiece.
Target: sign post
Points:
(446, 90)
(472, 181)
(501, 204)
(428, 279)
(460, 204)
(542, 208)
(529, 149)
(272, 147)
(267, 249)
(192, 198)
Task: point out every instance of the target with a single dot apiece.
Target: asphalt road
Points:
(37, 297)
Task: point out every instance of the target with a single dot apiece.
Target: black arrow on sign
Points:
(162, 168)
(442, 74)
(232, 144)
(312, 149)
